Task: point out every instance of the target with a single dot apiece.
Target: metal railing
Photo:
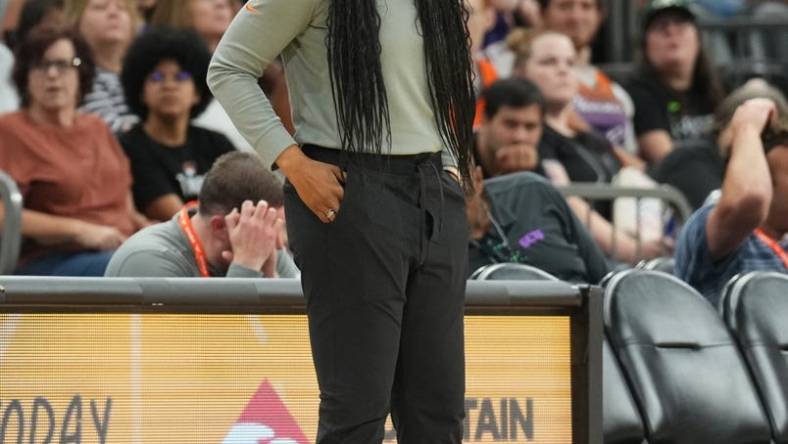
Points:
(746, 46)
(595, 192)
(625, 29)
(11, 238)
(599, 191)
(744, 23)
(582, 304)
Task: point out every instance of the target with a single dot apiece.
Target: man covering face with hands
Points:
(236, 230)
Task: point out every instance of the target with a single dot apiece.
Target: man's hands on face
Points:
(515, 157)
(254, 234)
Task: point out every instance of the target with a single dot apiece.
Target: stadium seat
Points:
(685, 370)
(755, 307)
(621, 420)
(511, 272)
(663, 264)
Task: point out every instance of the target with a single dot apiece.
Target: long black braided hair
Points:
(357, 77)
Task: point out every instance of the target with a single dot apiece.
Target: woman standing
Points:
(383, 103)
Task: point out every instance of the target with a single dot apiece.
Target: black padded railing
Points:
(582, 304)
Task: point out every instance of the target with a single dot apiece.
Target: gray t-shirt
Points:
(162, 250)
(296, 30)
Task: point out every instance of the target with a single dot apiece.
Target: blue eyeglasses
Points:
(158, 76)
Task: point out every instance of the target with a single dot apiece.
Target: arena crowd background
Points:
(624, 327)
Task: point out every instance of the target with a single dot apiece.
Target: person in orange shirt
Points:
(72, 173)
(480, 20)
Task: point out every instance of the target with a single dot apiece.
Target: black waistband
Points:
(382, 162)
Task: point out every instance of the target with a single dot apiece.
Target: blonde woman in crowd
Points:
(548, 60)
(108, 26)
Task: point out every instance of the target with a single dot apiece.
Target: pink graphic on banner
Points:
(265, 420)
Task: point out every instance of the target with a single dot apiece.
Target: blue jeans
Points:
(79, 263)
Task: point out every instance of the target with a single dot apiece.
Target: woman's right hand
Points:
(98, 237)
(318, 184)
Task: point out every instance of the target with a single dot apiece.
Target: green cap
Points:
(656, 7)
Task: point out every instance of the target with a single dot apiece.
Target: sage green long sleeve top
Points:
(296, 31)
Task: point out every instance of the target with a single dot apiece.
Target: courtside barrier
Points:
(96, 360)
(11, 223)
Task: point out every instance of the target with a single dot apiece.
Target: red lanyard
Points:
(199, 253)
(771, 243)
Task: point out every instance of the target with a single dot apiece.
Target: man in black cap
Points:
(676, 90)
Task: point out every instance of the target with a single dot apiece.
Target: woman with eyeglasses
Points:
(72, 173)
(164, 80)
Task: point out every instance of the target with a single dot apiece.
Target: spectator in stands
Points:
(600, 101)
(511, 15)
(145, 9)
(235, 231)
(34, 13)
(570, 154)
(8, 99)
(210, 19)
(480, 20)
(109, 27)
(30, 14)
(676, 89)
(71, 171)
(164, 80)
(745, 229)
(507, 141)
(522, 218)
(511, 127)
(548, 59)
(9, 16)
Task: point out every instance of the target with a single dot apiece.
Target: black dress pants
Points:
(384, 286)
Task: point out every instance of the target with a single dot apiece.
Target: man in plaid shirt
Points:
(745, 229)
